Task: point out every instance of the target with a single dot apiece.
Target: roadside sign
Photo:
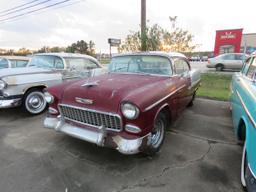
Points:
(114, 42)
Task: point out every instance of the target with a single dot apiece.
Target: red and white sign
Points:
(228, 41)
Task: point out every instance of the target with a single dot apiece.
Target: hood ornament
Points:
(90, 84)
(84, 101)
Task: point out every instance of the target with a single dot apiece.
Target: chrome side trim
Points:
(194, 84)
(159, 110)
(251, 171)
(246, 109)
(95, 111)
(161, 100)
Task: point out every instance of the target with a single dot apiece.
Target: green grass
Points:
(215, 86)
(105, 61)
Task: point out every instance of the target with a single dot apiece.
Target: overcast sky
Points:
(97, 20)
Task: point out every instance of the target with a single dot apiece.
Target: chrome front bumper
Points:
(100, 138)
(10, 103)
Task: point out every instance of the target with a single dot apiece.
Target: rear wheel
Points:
(219, 67)
(158, 134)
(191, 103)
(34, 102)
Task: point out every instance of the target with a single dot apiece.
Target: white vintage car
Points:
(13, 61)
(24, 86)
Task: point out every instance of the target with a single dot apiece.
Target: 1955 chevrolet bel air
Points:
(24, 86)
(129, 108)
(243, 101)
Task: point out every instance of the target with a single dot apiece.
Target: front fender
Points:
(18, 85)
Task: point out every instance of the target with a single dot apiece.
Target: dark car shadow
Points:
(14, 114)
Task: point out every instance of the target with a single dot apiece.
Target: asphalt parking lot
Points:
(200, 154)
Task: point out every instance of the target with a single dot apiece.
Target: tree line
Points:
(81, 46)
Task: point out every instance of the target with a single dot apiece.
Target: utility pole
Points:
(143, 26)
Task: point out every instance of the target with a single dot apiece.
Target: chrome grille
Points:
(91, 117)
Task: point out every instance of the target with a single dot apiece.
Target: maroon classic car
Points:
(130, 107)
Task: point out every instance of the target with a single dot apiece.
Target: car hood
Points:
(109, 90)
(21, 71)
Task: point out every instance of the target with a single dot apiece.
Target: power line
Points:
(35, 10)
(7, 10)
(24, 8)
(53, 8)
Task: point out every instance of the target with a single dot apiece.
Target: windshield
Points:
(3, 63)
(46, 61)
(141, 64)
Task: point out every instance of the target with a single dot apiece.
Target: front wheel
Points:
(34, 102)
(157, 134)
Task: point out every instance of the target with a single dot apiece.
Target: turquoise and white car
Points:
(243, 104)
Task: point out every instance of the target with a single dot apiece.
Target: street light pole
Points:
(143, 25)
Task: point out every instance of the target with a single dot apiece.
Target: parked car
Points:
(243, 101)
(195, 58)
(232, 61)
(204, 58)
(13, 61)
(129, 108)
(24, 86)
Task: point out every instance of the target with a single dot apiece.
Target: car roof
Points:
(11, 57)
(153, 53)
(65, 55)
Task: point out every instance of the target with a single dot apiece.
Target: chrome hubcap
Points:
(35, 102)
(158, 133)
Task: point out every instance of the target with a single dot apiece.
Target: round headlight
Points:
(130, 111)
(48, 97)
(2, 84)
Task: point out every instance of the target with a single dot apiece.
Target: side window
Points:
(75, 64)
(58, 63)
(181, 66)
(246, 65)
(239, 57)
(229, 57)
(252, 69)
(21, 63)
(3, 63)
(91, 65)
(186, 66)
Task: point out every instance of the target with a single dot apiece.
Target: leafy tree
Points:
(159, 39)
(57, 49)
(82, 47)
(44, 49)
